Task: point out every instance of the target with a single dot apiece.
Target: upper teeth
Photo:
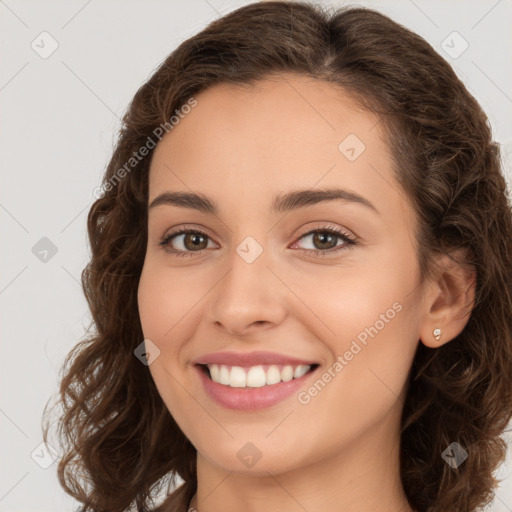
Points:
(255, 376)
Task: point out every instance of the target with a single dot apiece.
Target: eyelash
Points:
(350, 242)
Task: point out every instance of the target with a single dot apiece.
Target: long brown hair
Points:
(121, 444)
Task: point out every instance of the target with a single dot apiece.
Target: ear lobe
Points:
(449, 300)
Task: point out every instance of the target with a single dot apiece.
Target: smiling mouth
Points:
(255, 376)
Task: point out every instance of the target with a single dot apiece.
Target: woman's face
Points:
(273, 272)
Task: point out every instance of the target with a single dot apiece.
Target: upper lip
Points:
(250, 359)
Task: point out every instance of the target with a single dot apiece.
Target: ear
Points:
(448, 300)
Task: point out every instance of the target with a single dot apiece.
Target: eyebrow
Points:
(282, 203)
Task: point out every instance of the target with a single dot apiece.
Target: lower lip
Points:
(249, 399)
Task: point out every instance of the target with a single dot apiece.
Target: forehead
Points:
(283, 109)
(286, 132)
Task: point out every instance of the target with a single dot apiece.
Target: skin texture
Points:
(242, 147)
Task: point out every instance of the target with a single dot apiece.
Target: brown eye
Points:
(185, 241)
(326, 240)
(194, 241)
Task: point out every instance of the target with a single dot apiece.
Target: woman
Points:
(300, 280)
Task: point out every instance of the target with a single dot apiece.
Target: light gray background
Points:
(59, 119)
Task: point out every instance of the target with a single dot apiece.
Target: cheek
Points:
(166, 301)
(370, 297)
(364, 309)
(159, 312)
(166, 308)
(368, 319)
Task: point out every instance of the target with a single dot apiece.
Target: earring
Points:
(437, 334)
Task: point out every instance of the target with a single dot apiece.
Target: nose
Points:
(249, 297)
